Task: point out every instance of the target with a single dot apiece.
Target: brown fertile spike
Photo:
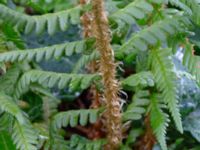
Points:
(112, 114)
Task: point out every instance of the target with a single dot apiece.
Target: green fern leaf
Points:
(51, 79)
(79, 143)
(153, 34)
(56, 142)
(141, 79)
(38, 54)
(8, 81)
(75, 117)
(24, 136)
(136, 109)
(6, 122)
(159, 122)
(7, 105)
(52, 22)
(162, 68)
(195, 7)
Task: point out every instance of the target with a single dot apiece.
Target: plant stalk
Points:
(112, 114)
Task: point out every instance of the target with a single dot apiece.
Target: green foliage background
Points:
(43, 63)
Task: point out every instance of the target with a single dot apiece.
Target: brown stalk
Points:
(112, 114)
(86, 20)
(148, 140)
(95, 130)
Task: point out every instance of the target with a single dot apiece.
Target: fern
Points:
(24, 136)
(153, 86)
(8, 80)
(58, 143)
(136, 10)
(157, 32)
(141, 79)
(159, 121)
(162, 68)
(78, 143)
(75, 117)
(6, 122)
(194, 6)
(9, 106)
(53, 22)
(55, 51)
(51, 79)
(136, 109)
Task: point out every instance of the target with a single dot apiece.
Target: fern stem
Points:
(86, 21)
(108, 71)
(148, 140)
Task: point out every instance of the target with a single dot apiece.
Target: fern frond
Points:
(52, 79)
(195, 7)
(56, 142)
(136, 109)
(192, 62)
(24, 136)
(52, 22)
(38, 54)
(153, 34)
(6, 122)
(8, 81)
(162, 68)
(75, 117)
(78, 142)
(159, 122)
(7, 105)
(136, 10)
(141, 79)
